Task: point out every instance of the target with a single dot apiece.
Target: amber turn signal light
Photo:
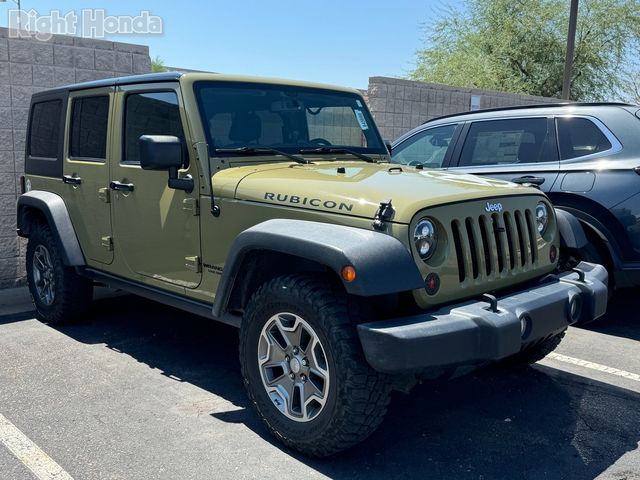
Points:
(348, 273)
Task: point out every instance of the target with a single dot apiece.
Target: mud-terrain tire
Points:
(60, 295)
(354, 396)
(536, 352)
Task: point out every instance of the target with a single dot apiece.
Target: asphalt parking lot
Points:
(147, 392)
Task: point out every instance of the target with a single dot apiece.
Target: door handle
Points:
(121, 187)
(69, 180)
(531, 180)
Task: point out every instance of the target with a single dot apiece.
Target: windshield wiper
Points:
(329, 150)
(260, 151)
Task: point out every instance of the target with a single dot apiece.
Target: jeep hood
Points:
(357, 188)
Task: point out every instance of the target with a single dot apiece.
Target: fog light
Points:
(553, 254)
(575, 308)
(525, 325)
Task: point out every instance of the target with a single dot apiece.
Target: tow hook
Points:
(492, 301)
(580, 274)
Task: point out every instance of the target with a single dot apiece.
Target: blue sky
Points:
(330, 41)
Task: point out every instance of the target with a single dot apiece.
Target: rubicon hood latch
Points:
(383, 214)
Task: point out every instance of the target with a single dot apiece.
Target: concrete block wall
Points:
(400, 105)
(28, 66)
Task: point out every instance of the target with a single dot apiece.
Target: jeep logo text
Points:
(493, 207)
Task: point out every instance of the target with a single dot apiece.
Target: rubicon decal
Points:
(493, 207)
(304, 201)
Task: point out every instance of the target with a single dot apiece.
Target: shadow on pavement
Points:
(623, 316)
(530, 423)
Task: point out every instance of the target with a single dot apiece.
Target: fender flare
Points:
(55, 211)
(383, 264)
(571, 232)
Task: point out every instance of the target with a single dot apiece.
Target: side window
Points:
(499, 142)
(150, 113)
(578, 137)
(45, 129)
(428, 147)
(89, 118)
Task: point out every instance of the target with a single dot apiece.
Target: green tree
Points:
(157, 64)
(519, 46)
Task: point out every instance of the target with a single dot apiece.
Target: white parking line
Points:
(594, 366)
(41, 464)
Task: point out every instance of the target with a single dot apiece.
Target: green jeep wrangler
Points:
(271, 205)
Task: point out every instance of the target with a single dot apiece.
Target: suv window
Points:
(497, 142)
(149, 113)
(45, 129)
(89, 117)
(578, 137)
(428, 147)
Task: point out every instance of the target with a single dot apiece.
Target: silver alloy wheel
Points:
(293, 366)
(43, 275)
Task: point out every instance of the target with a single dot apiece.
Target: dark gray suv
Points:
(585, 157)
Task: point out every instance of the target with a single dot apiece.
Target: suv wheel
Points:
(59, 293)
(304, 369)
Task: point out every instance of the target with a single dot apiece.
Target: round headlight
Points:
(542, 217)
(424, 238)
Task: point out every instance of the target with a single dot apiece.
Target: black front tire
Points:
(60, 295)
(357, 397)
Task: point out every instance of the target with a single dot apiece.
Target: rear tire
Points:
(60, 295)
(285, 318)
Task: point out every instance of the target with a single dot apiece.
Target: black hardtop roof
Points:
(110, 82)
(534, 106)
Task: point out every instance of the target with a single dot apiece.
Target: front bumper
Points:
(472, 333)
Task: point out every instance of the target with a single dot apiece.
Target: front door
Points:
(156, 228)
(86, 171)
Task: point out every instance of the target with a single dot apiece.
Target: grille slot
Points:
(489, 246)
(462, 274)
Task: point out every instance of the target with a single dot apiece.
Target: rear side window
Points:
(499, 142)
(89, 118)
(578, 137)
(45, 129)
(427, 148)
(151, 113)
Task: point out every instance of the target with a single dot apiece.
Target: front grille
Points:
(489, 246)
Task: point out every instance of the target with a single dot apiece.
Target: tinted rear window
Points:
(45, 129)
(89, 119)
(498, 142)
(578, 137)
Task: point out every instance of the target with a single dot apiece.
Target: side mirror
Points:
(387, 143)
(160, 152)
(165, 152)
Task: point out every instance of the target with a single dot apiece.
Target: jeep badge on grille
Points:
(493, 207)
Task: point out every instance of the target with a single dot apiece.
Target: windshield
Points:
(287, 118)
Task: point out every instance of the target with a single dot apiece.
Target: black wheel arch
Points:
(39, 206)
(598, 223)
(279, 246)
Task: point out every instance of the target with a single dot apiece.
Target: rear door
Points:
(513, 149)
(86, 171)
